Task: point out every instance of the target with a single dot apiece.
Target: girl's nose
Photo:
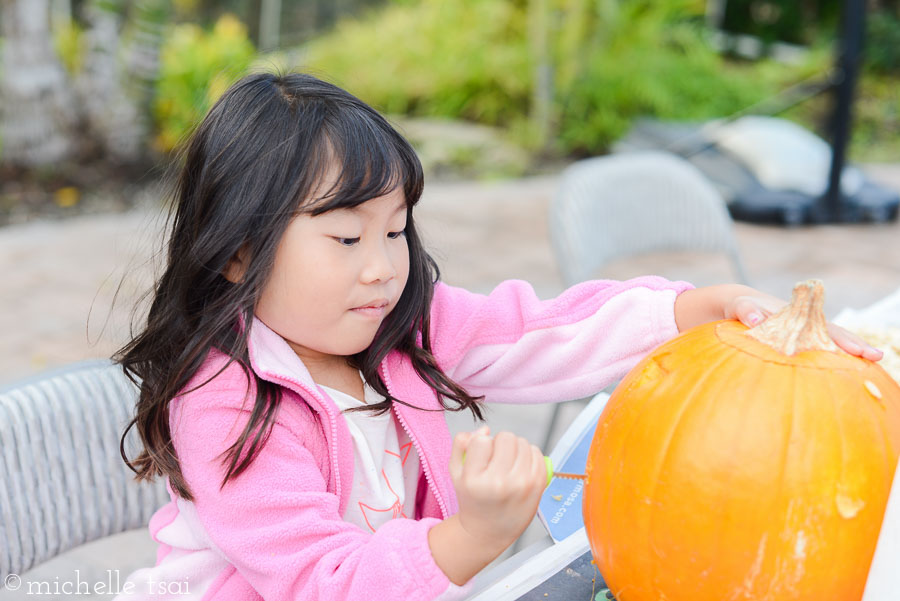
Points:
(379, 265)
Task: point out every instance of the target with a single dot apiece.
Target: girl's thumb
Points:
(461, 442)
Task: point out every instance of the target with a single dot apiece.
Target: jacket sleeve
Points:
(513, 347)
(278, 525)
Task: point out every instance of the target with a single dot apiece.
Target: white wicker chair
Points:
(64, 482)
(617, 206)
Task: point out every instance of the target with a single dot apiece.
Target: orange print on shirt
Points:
(403, 455)
(397, 508)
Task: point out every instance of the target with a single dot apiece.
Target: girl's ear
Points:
(237, 267)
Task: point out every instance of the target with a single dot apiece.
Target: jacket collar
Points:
(271, 354)
(274, 360)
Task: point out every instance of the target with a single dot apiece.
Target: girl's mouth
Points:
(374, 309)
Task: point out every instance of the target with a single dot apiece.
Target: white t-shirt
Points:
(385, 464)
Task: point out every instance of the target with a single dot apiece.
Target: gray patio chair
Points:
(618, 206)
(63, 480)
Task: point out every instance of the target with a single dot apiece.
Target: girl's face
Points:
(336, 277)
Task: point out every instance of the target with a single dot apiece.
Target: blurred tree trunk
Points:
(120, 66)
(269, 24)
(541, 113)
(109, 115)
(145, 32)
(36, 108)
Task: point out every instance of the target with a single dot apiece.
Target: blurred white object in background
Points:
(781, 154)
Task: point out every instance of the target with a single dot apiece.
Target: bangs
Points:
(371, 159)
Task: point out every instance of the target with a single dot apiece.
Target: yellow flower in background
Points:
(183, 35)
(66, 197)
(197, 66)
(228, 26)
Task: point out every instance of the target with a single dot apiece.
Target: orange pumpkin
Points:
(736, 464)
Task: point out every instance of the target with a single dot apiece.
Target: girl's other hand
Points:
(751, 307)
(498, 485)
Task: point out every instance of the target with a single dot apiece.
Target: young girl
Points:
(300, 351)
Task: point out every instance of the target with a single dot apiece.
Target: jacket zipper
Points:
(425, 467)
(335, 466)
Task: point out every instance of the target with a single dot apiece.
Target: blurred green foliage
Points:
(612, 61)
(876, 118)
(197, 66)
(473, 59)
(651, 58)
(876, 123)
(883, 42)
(640, 80)
(465, 59)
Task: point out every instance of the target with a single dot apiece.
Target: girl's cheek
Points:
(404, 261)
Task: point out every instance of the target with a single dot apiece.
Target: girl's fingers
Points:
(853, 344)
(531, 461)
(504, 457)
(478, 451)
(460, 445)
(523, 456)
(529, 470)
(751, 310)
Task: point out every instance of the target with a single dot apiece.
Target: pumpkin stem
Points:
(799, 326)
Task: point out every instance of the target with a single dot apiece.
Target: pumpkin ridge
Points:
(733, 516)
(712, 397)
(789, 431)
(842, 476)
(689, 396)
(873, 423)
(784, 516)
(788, 434)
(748, 586)
(841, 436)
(640, 416)
(613, 408)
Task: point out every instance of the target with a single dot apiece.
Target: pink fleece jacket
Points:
(275, 532)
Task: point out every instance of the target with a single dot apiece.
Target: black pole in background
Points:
(831, 207)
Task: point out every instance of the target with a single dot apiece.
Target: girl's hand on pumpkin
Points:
(728, 301)
(751, 307)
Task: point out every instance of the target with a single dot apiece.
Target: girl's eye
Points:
(395, 235)
(347, 241)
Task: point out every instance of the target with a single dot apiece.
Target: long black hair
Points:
(250, 167)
